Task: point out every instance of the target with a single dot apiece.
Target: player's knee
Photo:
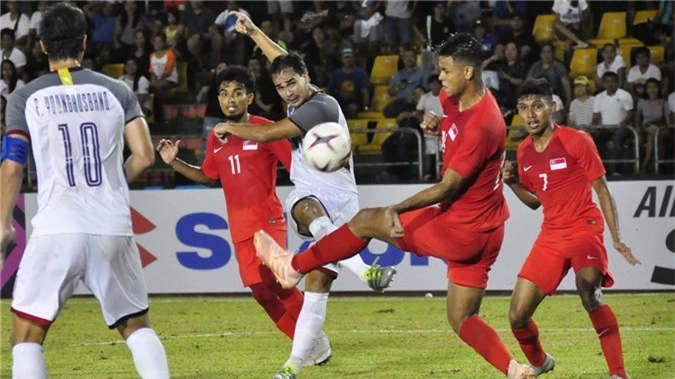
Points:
(456, 319)
(24, 331)
(519, 316)
(132, 324)
(362, 223)
(318, 282)
(590, 293)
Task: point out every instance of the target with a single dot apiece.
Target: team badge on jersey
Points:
(453, 131)
(557, 164)
(250, 145)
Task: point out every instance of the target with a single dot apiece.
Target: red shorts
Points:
(553, 255)
(470, 255)
(251, 267)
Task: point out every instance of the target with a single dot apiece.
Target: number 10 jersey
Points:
(75, 120)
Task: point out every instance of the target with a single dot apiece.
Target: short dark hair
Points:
(284, 62)
(538, 86)
(643, 51)
(609, 45)
(658, 86)
(62, 29)
(433, 78)
(8, 32)
(238, 74)
(610, 74)
(464, 47)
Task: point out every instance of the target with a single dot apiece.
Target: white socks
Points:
(307, 328)
(148, 354)
(28, 361)
(322, 226)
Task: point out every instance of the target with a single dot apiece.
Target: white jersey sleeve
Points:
(75, 122)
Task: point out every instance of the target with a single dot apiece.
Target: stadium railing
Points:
(420, 149)
(657, 161)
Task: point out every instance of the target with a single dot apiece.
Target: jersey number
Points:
(90, 154)
(234, 164)
(544, 177)
(501, 171)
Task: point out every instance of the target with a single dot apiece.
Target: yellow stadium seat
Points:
(384, 68)
(560, 48)
(358, 139)
(599, 43)
(656, 54)
(544, 28)
(584, 62)
(375, 146)
(380, 100)
(624, 51)
(644, 16)
(516, 123)
(113, 70)
(612, 25)
(630, 42)
(182, 80)
(517, 120)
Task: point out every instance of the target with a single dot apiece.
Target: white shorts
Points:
(53, 265)
(340, 207)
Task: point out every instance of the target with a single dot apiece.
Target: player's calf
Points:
(146, 348)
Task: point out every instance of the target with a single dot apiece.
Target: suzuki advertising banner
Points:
(184, 241)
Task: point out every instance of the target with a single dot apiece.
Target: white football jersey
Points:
(318, 109)
(75, 121)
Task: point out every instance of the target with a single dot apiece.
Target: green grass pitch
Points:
(372, 337)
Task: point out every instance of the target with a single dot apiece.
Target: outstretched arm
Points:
(168, 150)
(449, 188)
(270, 48)
(282, 129)
(608, 207)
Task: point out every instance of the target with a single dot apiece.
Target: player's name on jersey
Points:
(73, 103)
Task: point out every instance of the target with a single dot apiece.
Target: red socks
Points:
(286, 324)
(482, 338)
(528, 338)
(605, 324)
(292, 300)
(336, 246)
(275, 308)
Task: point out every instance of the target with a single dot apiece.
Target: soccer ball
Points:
(326, 147)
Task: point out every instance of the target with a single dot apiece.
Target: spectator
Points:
(613, 106)
(511, 73)
(403, 84)
(267, 27)
(349, 86)
(194, 29)
(224, 35)
(397, 23)
(368, 28)
(316, 62)
(332, 47)
(611, 62)
(503, 13)
(9, 51)
(527, 47)
(310, 19)
(571, 15)
(17, 22)
(89, 63)
(171, 29)
(438, 26)
(643, 70)
(652, 114)
(10, 79)
(489, 42)
(554, 71)
(102, 14)
(267, 101)
(141, 53)
(581, 108)
(345, 15)
(275, 8)
(35, 23)
(137, 83)
(464, 14)
(163, 72)
(36, 63)
(429, 102)
(129, 22)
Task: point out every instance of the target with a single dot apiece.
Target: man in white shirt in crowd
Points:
(611, 62)
(614, 106)
(643, 70)
(16, 21)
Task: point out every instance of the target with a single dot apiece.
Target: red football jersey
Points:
(561, 177)
(248, 173)
(473, 145)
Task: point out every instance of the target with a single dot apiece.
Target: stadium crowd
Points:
(375, 58)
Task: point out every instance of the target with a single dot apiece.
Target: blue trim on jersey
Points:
(14, 149)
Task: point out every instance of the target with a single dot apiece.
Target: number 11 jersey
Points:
(75, 120)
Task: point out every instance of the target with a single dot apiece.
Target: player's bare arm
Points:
(168, 150)
(142, 156)
(280, 130)
(14, 156)
(608, 207)
(510, 176)
(246, 27)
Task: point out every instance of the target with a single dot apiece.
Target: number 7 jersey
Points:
(75, 120)
(561, 177)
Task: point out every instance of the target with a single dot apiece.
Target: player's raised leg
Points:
(588, 282)
(525, 299)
